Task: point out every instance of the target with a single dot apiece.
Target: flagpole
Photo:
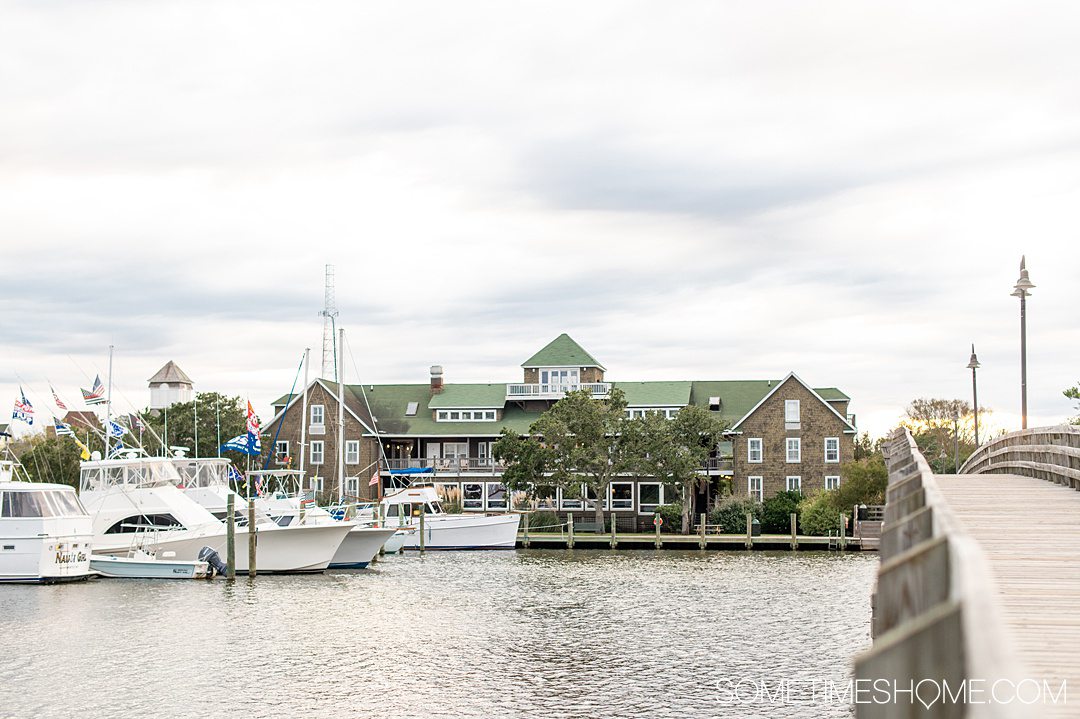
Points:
(303, 419)
(108, 409)
(217, 410)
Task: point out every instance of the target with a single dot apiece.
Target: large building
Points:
(783, 434)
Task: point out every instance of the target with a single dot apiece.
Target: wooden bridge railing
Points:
(1050, 453)
(935, 612)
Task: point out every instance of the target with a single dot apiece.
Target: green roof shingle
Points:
(562, 352)
(656, 394)
(465, 396)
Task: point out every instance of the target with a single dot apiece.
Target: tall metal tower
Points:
(329, 334)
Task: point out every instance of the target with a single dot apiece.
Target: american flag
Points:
(23, 409)
(374, 479)
(56, 398)
(96, 395)
(62, 430)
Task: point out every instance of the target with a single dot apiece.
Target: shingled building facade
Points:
(783, 434)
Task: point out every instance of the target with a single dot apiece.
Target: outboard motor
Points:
(208, 555)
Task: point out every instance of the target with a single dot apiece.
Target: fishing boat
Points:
(443, 530)
(138, 564)
(45, 532)
(136, 503)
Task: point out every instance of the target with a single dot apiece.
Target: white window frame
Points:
(642, 506)
(757, 492)
(835, 481)
(352, 486)
(321, 414)
(835, 449)
(477, 504)
(750, 443)
(791, 411)
(611, 493)
(451, 450)
(466, 415)
(788, 447)
(280, 455)
(352, 451)
(797, 483)
(318, 451)
(318, 483)
(492, 506)
(571, 504)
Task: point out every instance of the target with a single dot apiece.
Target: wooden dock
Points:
(1029, 529)
(650, 540)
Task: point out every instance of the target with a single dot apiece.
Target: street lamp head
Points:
(1024, 284)
(973, 363)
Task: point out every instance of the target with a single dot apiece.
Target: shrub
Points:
(730, 514)
(543, 520)
(776, 512)
(672, 516)
(818, 515)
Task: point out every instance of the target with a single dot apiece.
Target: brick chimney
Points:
(436, 379)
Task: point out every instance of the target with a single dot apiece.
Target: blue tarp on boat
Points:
(414, 470)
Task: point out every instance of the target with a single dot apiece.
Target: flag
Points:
(24, 411)
(234, 475)
(84, 450)
(115, 430)
(62, 430)
(56, 399)
(253, 442)
(135, 423)
(374, 479)
(240, 444)
(96, 395)
(115, 451)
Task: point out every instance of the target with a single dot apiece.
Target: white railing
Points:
(555, 391)
(450, 465)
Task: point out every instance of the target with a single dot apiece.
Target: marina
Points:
(485, 634)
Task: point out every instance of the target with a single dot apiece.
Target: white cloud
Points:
(703, 190)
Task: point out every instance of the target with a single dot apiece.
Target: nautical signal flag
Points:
(253, 442)
(96, 395)
(24, 411)
(56, 399)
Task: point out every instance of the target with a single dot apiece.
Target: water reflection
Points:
(488, 634)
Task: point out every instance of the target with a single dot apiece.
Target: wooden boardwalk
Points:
(627, 540)
(1029, 530)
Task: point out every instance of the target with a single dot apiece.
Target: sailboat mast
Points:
(341, 416)
(108, 410)
(303, 416)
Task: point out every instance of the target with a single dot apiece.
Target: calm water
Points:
(486, 634)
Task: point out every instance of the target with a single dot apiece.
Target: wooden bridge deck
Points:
(1029, 529)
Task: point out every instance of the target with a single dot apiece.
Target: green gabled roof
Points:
(282, 400)
(562, 352)
(656, 394)
(389, 402)
(466, 396)
(831, 394)
(737, 397)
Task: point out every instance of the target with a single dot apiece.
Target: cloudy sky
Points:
(694, 190)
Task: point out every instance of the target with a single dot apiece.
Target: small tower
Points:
(169, 386)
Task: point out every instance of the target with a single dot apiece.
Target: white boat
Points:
(135, 503)
(45, 532)
(447, 531)
(143, 565)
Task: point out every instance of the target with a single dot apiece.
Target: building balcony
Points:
(450, 466)
(719, 466)
(555, 391)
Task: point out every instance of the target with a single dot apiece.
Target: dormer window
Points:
(561, 377)
(466, 415)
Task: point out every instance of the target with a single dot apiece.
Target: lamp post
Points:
(1022, 290)
(973, 365)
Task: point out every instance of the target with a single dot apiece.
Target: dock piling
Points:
(794, 530)
(656, 524)
(569, 531)
(701, 541)
(252, 537)
(526, 518)
(749, 530)
(843, 533)
(614, 541)
(421, 532)
(230, 537)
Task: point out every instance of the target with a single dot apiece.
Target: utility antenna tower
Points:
(329, 333)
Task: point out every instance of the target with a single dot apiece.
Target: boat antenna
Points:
(329, 314)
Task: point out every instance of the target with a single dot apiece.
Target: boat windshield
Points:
(25, 504)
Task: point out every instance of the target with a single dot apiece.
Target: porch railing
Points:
(555, 391)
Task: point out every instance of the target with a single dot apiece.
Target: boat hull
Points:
(359, 547)
(129, 568)
(45, 560)
(282, 550)
(465, 531)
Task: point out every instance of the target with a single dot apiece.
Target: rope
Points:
(277, 432)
